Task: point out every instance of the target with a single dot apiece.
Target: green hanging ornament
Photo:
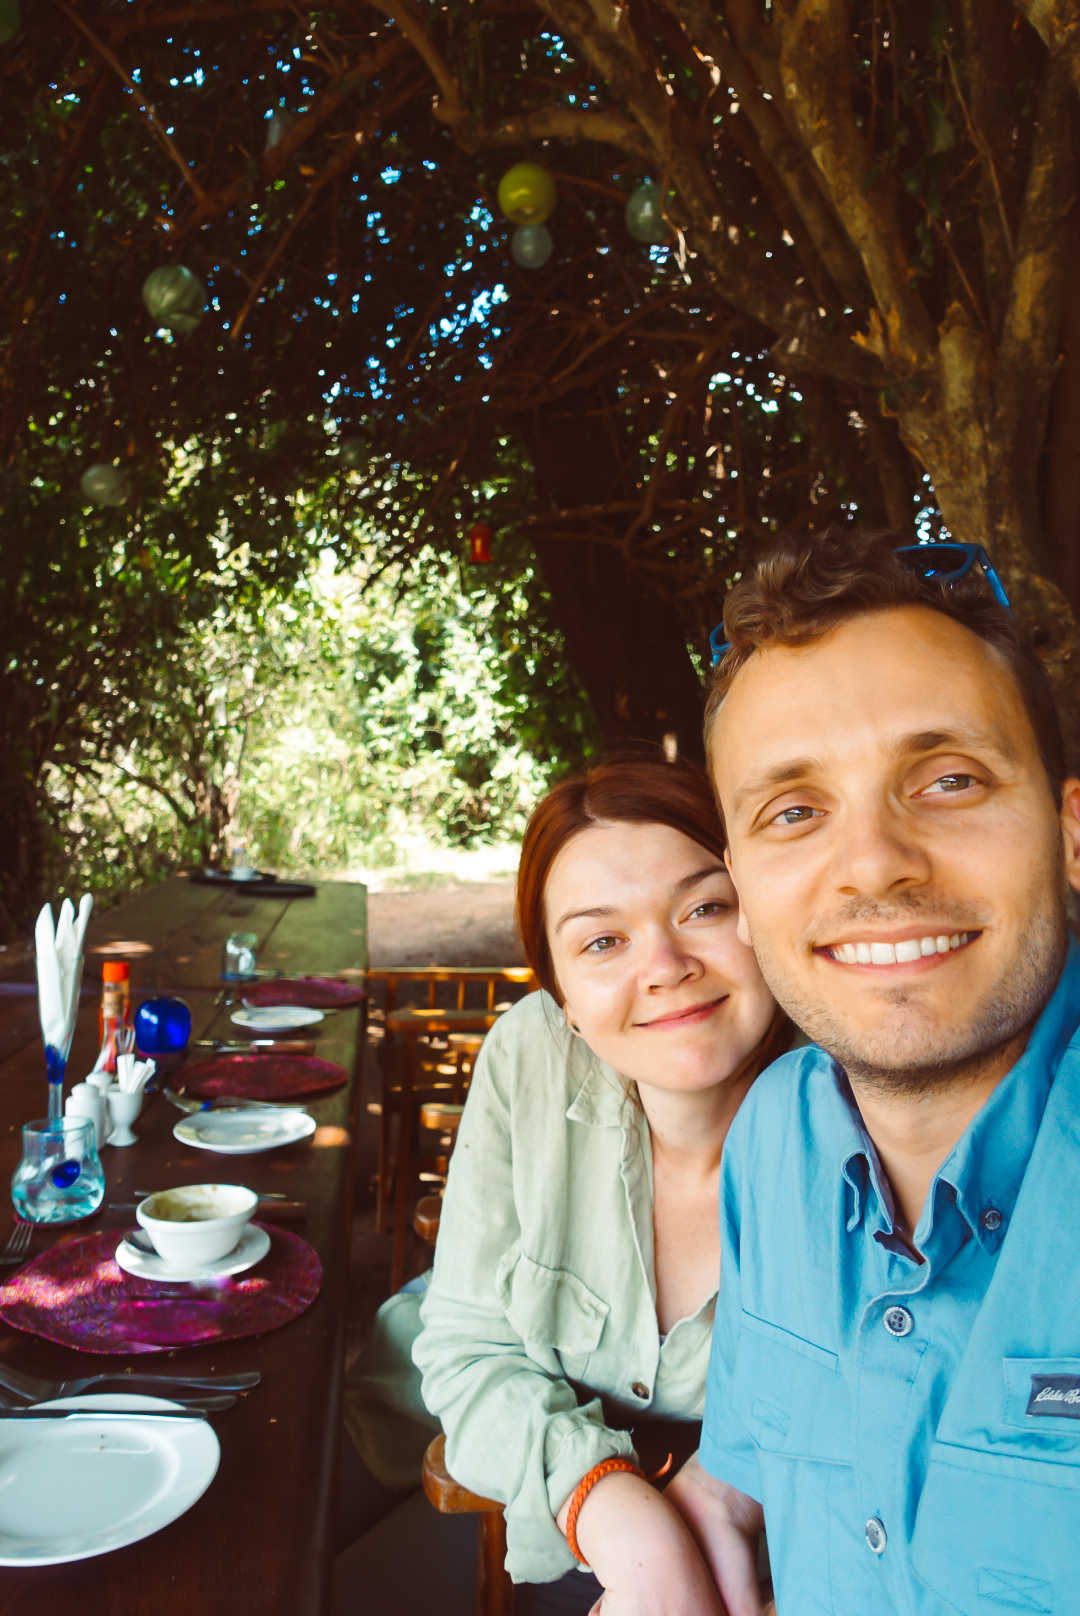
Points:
(531, 245)
(10, 20)
(175, 298)
(351, 453)
(105, 485)
(527, 194)
(645, 215)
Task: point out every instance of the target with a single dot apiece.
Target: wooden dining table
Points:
(259, 1540)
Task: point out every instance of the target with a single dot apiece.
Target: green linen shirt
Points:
(544, 1277)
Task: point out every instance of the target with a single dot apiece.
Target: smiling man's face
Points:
(897, 849)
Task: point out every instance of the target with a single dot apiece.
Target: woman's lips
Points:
(682, 1018)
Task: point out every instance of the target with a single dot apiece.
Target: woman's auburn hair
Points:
(636, 790)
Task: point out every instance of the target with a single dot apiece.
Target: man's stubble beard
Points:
(916, 1054)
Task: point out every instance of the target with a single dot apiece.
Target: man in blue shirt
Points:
(895, 1377)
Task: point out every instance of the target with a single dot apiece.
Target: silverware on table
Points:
(18, 1246)
(223, 1102)
(277, 1046)
(44, 1391)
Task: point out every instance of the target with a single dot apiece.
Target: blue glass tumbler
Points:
(60, 1177)
(162, 1026)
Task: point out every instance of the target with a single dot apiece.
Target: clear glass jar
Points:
(60, 1177)
(238, 956)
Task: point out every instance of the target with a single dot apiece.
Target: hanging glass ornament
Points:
(645, 215)
(277, 127)
(351, 453)
(10, 20)
(175, 298)
(531, 245)
(105, 485)
(480, 537)
(527, 194)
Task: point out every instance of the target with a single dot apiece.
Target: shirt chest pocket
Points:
(789, 1394)
(557, 1316)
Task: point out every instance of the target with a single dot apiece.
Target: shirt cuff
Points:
(585, 1445)
(735, 1468)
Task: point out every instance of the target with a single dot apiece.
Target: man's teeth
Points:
(912, 948)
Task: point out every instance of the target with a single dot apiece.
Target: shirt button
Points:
(875, 1535)
(898, 1321)
(639, 1389)
(992, 1220)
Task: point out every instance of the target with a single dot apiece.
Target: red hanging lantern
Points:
(480, 538)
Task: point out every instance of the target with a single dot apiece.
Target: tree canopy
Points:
(859, 307)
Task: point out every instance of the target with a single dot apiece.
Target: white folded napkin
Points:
(59, 971)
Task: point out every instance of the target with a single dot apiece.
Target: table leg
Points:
(382, 1198)
(403, 1165)
(494, 1590)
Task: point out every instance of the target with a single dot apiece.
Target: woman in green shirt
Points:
(568, 1318)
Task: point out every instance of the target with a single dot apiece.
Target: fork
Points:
(44, 1391)
(18, 1246)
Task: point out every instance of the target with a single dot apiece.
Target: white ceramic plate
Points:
(245, 1131)
(252, 1248)
(70, 1489)
(276, 1017)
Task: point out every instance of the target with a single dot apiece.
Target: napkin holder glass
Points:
(60, 1178)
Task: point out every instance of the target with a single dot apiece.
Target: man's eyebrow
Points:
(690, 881)
(783, 774)
(582, 914)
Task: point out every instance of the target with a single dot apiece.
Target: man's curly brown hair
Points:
(809, 585)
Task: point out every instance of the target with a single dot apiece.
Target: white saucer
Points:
(70, 1489)
(245, 1131)
(276, 1017)
(254, 1244)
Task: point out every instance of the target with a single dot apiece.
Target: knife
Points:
(182, 1102)
(103, 1413)
(277, 1046)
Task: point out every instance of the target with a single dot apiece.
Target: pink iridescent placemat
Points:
(76, 1294)
(263, 1077)
(313, 992)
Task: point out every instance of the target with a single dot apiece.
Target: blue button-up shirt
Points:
(912, 1429)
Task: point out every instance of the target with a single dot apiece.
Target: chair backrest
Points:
(461, 977)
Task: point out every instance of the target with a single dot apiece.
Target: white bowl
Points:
(197, 1223)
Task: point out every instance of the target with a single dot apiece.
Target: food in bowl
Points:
(197, 1223)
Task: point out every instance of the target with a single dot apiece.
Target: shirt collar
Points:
(604, 1098)
(986, 1166)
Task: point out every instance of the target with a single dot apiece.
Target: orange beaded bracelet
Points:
(606, 1467)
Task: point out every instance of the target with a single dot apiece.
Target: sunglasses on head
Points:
(936, 563)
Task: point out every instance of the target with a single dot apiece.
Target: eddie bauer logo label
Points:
(1055, 1395)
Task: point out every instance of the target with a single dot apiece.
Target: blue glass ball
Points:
(162, 1026)
(531, 245)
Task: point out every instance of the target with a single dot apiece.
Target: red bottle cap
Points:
(116, 971)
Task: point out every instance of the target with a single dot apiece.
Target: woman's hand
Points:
(642, 1552)
(726, 1525)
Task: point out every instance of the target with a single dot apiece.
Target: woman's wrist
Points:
(623, 1522)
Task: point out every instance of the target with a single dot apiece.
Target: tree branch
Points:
(815, 71)
(1057, 22)
(155, 122)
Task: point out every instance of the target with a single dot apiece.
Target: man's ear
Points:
(1070, 831)
(742, 930)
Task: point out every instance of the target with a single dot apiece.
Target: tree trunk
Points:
(1062, 489)
(624, 639)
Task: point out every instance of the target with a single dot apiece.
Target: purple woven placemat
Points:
(77, 1294)
(313, 992)
(263, 1077)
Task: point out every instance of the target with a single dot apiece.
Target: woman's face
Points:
(641, 926)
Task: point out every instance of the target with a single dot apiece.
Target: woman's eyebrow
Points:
(689, 881)
(582, 914)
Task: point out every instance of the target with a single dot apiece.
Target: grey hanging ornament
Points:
(175, 298)
(105, 485)
(277, 127)
(645, 215)
(531, 245)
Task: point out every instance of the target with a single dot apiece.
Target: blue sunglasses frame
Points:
(943, 563)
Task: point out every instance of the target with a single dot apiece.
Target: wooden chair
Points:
(406, 1031)
(494, 1590)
